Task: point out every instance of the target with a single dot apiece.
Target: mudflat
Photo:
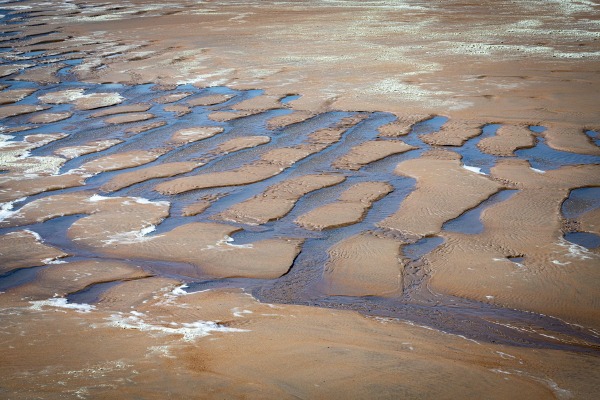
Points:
(318, 199)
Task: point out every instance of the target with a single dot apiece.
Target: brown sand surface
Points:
(23, 249)
(172, 98)
(48, 118)
(444, 191)
(12, 96)
(130, 108)
(564, 277)
(453, 133)
(194, 134)
(270, 164)
(164, 170)
(570, 138)
(368, 152)
(277, 200)
(209, 100)
(392, 64)
(241, 143)
(178, 109)
(134, 130)
(11, 111)
(224, 116)
(590, 221)
(364, 265)
(507, 140)
(282, 121)
(401, 126)
(118, 161)
(350, 208)
(130, 117)
(62, 279)
(88, 148)
(151, 347)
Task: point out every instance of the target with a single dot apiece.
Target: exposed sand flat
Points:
(80, 100)
(199, 206)
(364, 265)
(12, 96)
(570, 138)
(117, 161)
(277, 200)
(590, 221)
(23, 249)
(15, 189)
(194, 134)
(209, 100)
(289, 119)
(444, 190)
(224, 116)
(88, 148)
(130, 117)
(453, 133)
(368, 152)
(134, 130)
(178, 109)
(507, 140)
(347, 352)
(11, 111)
(172, 98)
(123, 232)
(401, 126)
(270, 164)
(42, 75)
(145, 174)
(6, 70)
(241, 143)
(262, 103)
(564, 277)
(130, 108)
(63, 279)
(97, 100)
(350, 208)
(48, 118)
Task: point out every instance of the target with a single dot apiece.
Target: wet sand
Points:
(299, 199)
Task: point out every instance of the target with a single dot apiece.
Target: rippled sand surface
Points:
(333, 199)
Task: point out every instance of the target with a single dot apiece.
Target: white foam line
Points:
(539, 171)
(477, 170)
(61, 302)
(188, 331)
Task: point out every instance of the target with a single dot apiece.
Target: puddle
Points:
(469, 222)
(581, 201)
(545, 158)
(421, 247)
(289, 98)
(91, 294)
(429, 126)
(588, 240)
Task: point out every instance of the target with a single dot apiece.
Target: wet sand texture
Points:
(118, 161)
(13, 110)
(277, 200)
(295, 117)
(209, 100)
(401, 126)
(364, 265)
(62, 279)
(453, 133)
(12, 96)
(350, 208)
(564, 276)
(444, 190)
(189, 135)
(570, 138)
(507, 140)
(23, 249)
(130, 108)
(128, 118)
(88, 148)
(367, 152)
(48, 118)
(164, 170)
